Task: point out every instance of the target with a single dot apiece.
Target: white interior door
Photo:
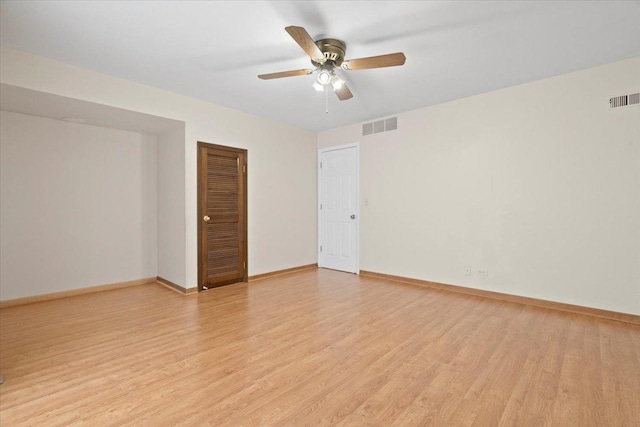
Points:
(339, 215)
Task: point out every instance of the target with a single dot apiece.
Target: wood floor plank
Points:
(315, 347)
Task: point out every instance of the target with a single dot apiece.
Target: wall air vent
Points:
(624, 100)
(379, 126)
(391, 124)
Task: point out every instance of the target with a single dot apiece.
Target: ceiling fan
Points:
(327, 55)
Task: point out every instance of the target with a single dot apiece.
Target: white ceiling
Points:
(214, 50)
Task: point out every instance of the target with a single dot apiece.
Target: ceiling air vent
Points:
(379, 126)
(624, 100)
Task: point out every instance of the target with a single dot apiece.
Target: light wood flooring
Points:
(311, 348)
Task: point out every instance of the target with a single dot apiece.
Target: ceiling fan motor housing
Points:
(333, 50)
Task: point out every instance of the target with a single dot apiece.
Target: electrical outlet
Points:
(482, 272)
(467, 271)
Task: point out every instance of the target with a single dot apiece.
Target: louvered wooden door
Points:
(222, 194)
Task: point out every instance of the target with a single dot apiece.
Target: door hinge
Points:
(244, 168)
(320, 248)
(320, 206)
(244, 265)
(320, 165)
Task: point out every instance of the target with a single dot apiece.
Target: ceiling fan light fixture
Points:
(317, 86)
(324, 77)
(337, 82)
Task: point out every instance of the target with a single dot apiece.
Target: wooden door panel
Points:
(223, 251)
(222, 211)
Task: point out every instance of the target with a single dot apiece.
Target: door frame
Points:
(200, 213)
(355, 145)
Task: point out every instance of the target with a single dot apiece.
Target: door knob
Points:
(206, 218)
(353, 217)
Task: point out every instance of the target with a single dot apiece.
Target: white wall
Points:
(171, 209)
(539, 184)
(282, 158)
(77, 205)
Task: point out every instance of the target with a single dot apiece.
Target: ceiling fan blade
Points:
(390, 60)
(305, 41)
(281, 74)
(343, 92)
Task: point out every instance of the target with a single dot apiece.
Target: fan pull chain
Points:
(326, 99)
